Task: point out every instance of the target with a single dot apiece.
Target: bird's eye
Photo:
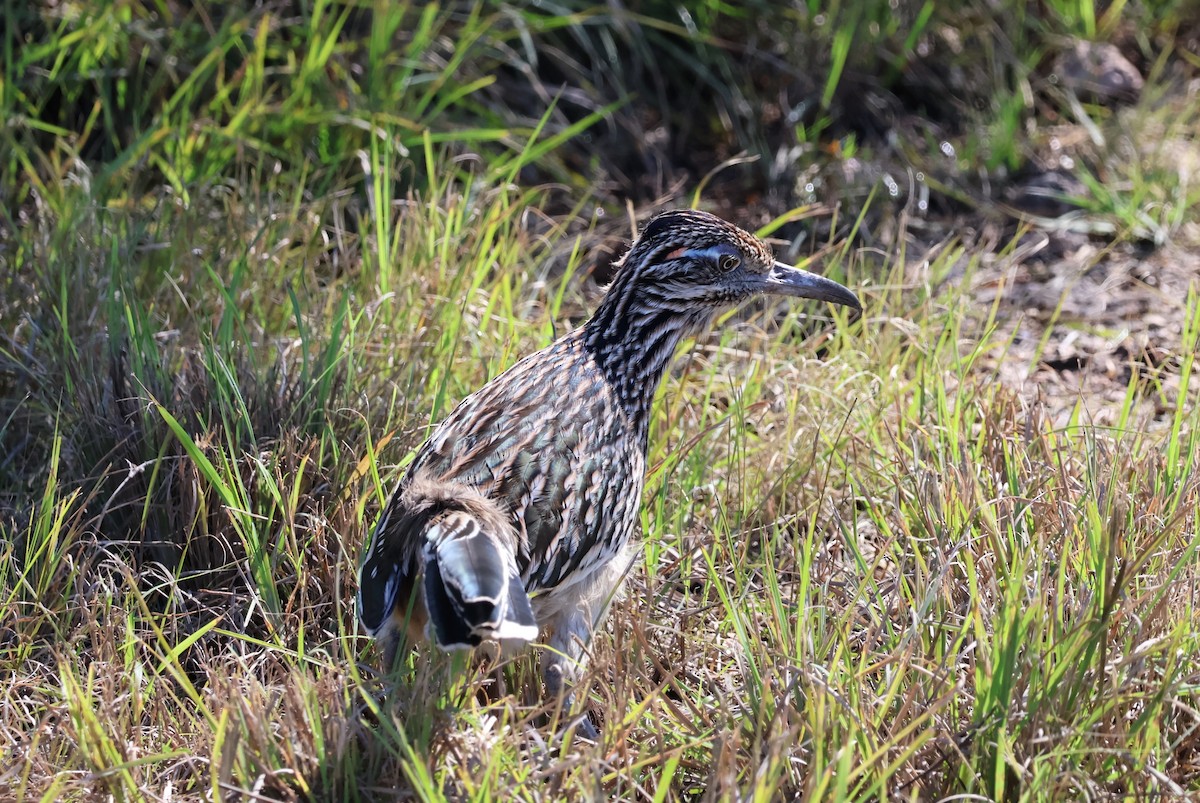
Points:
(729, 262)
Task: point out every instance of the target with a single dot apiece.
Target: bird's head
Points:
(694, 261)
(685, 267)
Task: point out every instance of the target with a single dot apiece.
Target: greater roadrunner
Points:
(516, 516)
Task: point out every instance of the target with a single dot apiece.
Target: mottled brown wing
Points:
(517, 443)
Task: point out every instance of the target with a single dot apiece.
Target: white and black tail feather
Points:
(473, 592)
(380, 576)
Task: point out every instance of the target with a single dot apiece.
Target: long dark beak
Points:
(788, 281)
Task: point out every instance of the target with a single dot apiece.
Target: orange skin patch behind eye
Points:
(676, 254)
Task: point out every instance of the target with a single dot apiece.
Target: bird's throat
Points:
(634, 343)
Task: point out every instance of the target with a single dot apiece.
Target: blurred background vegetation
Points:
(627, 100)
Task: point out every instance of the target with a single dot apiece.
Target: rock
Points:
(1097, 72)
(1047, 193)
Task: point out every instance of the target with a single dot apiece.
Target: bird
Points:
(516, 520)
